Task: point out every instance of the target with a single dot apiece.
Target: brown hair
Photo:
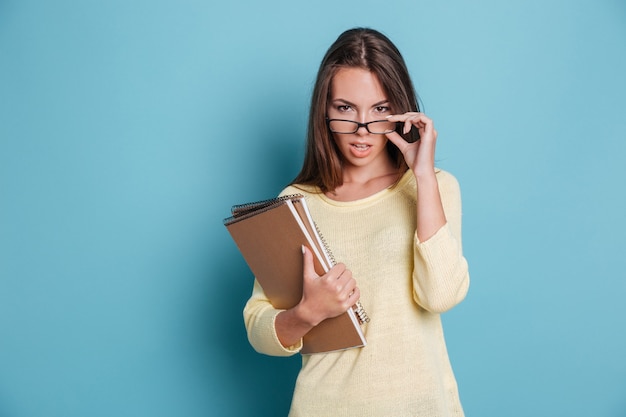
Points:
(359, 48)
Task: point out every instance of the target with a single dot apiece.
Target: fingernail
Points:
(303, 250)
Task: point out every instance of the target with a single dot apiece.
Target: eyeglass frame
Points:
(359, 125)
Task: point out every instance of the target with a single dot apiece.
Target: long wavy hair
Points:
(367, 49)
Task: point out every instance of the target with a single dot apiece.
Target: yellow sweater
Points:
(405, 284)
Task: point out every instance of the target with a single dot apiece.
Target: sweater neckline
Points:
(406, 177)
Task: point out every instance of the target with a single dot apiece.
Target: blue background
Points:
(129, 128)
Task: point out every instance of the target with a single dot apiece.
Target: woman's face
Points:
(357, 95)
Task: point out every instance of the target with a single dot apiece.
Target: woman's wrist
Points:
(305, 316)
(291, 325)
(425, 175)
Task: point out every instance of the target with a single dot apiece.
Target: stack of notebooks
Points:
(270, 235)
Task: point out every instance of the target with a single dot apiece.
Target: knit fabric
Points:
(405, 284)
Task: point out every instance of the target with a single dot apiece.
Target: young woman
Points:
(394, 222)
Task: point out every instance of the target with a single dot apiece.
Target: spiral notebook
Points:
(269, 235)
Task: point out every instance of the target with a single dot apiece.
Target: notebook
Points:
(270, 235)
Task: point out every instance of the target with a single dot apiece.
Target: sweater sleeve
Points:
(440, 274)
(259, 316)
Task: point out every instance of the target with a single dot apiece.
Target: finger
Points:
(397, 140)
(413, 117)
(409, 119)
(345, 278)
(336, 271)
(402, 117)
(344, 284)
(350, 286)
(352, 298)
(308, 269)
(428, 130)
(408, 124)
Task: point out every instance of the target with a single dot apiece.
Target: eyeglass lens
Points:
(346, 126)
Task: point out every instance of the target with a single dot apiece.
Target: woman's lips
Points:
(360, 149)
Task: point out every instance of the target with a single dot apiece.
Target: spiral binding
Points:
(360, 313)
(324, 245)
(241, 209)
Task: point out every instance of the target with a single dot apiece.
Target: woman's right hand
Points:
(328, 295)
(323, 297)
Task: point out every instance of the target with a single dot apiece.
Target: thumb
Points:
(308, 268)
(397, 140)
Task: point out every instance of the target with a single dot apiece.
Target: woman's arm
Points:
(440, 278)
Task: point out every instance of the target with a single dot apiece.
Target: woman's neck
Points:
(362, 182)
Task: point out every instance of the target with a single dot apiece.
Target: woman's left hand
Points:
(419, 155)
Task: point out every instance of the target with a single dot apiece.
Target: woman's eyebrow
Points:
(380, 103)
(342, 100)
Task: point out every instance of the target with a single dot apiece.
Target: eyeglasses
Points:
(377, 127)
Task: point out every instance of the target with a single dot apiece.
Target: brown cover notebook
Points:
(269, 235)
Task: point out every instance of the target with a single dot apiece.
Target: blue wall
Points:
(127, 129)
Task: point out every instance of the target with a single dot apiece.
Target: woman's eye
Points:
(382, 109)
(343, 108)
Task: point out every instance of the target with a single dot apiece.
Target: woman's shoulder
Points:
(443, 178)
(446, 178)
(446, 181)
(299, 189)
